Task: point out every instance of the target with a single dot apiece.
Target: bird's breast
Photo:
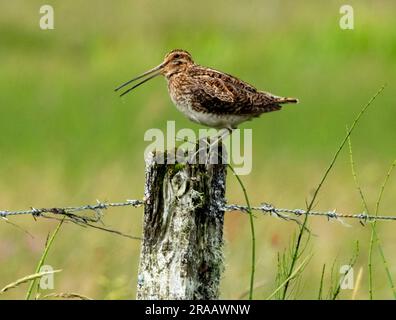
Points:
(180, 94)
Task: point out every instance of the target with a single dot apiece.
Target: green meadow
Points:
(66, 138)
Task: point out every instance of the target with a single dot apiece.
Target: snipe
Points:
(207, 96)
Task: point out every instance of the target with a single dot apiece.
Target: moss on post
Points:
(182, 249)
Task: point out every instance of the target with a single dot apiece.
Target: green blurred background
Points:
(66, 138)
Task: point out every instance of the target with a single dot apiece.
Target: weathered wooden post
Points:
(182, 248)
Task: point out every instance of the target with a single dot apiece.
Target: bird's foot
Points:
(209, 151)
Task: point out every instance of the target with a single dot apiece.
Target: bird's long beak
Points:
(153, 73)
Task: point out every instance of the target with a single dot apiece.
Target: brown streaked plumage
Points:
(208, 96)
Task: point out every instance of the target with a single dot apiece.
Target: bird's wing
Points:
(217, 88)
(226, 94)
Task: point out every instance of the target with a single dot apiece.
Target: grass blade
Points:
(28, 278)
(374, 235)
(321, 282)
(43, 256)
(293, 275)
(351, 264)
(253, 259)
(329, 168)
(66, 295)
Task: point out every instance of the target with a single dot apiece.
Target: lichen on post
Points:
(182, 248)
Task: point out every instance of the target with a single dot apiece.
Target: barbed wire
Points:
(333, 214)
(70, 212)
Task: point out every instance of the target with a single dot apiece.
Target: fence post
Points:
(182, 249)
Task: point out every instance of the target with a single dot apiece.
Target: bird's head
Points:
(174, 62)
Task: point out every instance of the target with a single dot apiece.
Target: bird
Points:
(207, 96)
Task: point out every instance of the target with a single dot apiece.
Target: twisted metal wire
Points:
(333, 214)
(69, 210)
(264, 208)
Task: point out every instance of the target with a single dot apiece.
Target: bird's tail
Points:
(286, 100)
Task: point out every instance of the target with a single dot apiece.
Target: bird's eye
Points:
(176, 56)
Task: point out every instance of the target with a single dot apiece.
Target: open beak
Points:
(151, 73)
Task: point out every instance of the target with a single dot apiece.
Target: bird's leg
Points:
(192, 158)
(210, 145)
(202, 145)
(205, 144)
(226, 132)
